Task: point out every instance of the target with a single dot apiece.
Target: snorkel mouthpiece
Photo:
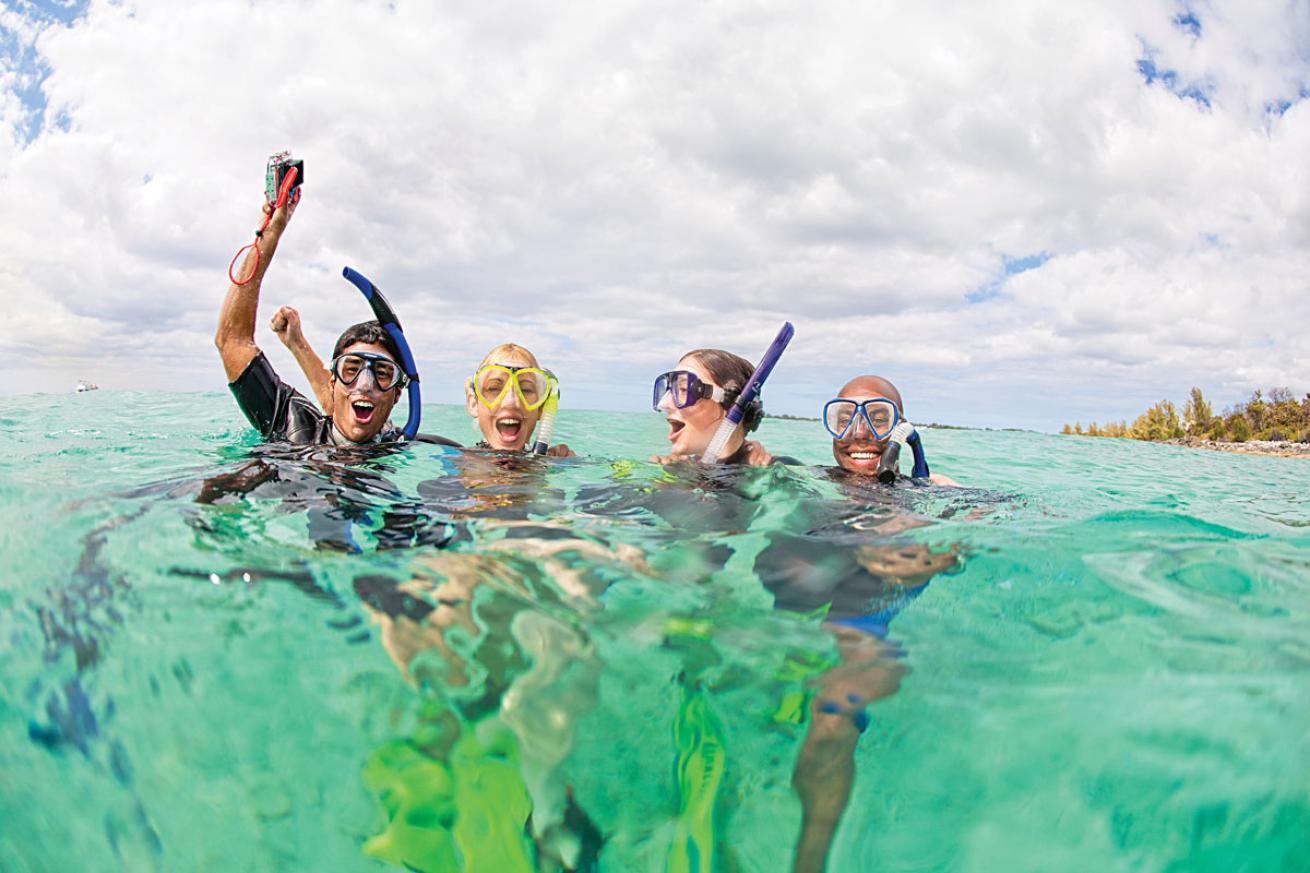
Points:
(889, 464)
(386, 317)
(748, 393)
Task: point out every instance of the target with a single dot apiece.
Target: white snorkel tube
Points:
(546, 426)
(751, 390)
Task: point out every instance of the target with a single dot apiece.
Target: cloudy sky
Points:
(1023, 213)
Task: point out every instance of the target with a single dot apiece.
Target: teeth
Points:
(510, 421)
(363, 403)
(863, 456)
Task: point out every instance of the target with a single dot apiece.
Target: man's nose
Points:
(366, 373)
(860, 427)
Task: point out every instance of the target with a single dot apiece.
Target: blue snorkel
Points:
(920, 470)
(386, 317)
(748, 394)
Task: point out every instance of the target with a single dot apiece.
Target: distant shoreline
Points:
(1281, 448)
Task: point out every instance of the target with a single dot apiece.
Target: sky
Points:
(1022, 213)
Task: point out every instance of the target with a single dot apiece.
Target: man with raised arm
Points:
(365, 376)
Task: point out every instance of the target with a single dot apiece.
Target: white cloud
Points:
(612, 184)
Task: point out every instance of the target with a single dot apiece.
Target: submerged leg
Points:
(825, 767)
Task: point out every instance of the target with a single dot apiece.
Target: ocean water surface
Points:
(218, 656)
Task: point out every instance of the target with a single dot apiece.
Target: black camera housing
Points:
(278, 167)
(282, 172)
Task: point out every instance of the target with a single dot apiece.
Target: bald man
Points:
(859, 450)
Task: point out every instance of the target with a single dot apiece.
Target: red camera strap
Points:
(282, 195)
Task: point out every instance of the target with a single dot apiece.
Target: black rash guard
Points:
(280, 412)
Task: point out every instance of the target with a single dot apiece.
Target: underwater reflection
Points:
(345, 504)
(497, 485)
(497, 643)
(502, 593)
(523, 613)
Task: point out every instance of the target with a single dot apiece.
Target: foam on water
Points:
(213, 657)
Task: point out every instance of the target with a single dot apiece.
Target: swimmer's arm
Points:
(939, 479)
(286, 324)
(235, 337)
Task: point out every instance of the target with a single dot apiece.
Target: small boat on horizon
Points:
(84, 385)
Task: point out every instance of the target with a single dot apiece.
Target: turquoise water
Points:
(212, 658)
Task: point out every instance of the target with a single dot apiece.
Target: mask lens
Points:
(532, 387)
(837, 416)
(881, 414)
(683, 385)
(385, 374)
(349, 367)
(491, 382)
(661, 388)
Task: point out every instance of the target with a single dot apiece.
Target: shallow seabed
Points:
(214, 657)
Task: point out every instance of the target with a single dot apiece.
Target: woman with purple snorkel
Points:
(711, 402)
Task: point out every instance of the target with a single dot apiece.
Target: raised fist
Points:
(286, 323)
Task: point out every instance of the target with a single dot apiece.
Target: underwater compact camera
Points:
(278, 167)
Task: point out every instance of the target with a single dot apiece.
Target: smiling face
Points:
(692, 427)
(508, 425)
(360, 410)
(860, 451)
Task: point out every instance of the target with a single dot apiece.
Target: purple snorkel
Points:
(748, 393)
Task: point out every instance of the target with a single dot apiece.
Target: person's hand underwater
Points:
(909, 564)
(757, 455)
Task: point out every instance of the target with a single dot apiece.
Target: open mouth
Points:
(508, 429)
(363, 411)
(675, 428)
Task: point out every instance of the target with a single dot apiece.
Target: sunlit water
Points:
(212, 658)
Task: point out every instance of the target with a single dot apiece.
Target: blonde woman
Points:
(507, 396)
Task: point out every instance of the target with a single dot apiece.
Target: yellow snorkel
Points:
(546, 426)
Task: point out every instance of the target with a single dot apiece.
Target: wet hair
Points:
(370, 332)
(508, 350)
(731, 373)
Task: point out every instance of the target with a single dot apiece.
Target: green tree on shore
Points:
(1255, 410)
(1276, 416)
(1160, 422)
(1197, 414)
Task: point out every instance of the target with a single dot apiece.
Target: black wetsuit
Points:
(280, 412)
